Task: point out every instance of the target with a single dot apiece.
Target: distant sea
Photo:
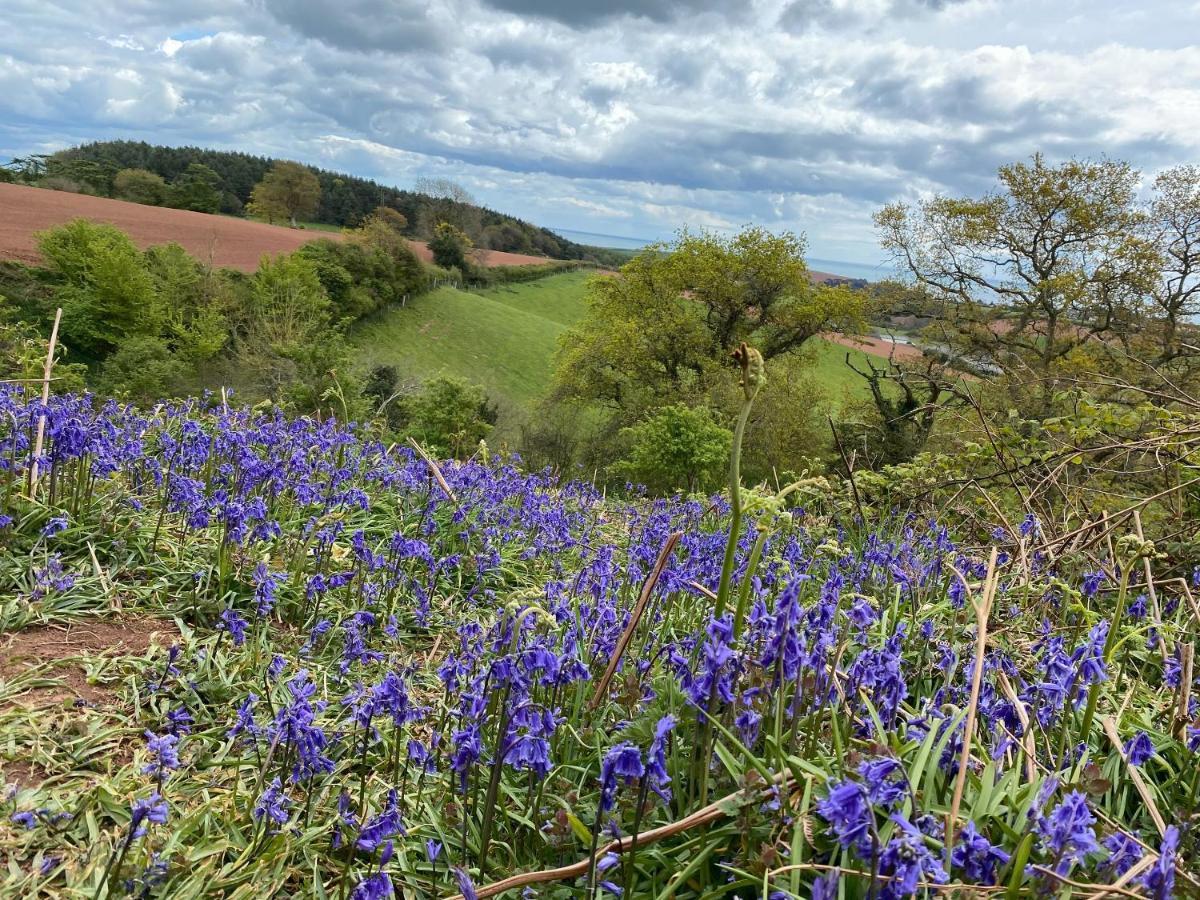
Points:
(832, 266)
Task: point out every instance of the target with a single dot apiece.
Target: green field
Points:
(503, 339)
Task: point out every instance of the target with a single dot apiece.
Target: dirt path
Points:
(219, 240)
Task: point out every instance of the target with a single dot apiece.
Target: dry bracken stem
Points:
(983, 609)
(702, 816)
(639, 609)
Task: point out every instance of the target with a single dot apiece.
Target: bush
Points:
(676, 448)
(143, 369)
(449, 247)
(449, 416)
(140, 186)
(107, 293)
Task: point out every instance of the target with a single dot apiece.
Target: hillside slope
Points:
(219, 240)
(504, 338)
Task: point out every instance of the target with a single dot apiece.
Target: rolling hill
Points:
(220, 240)
(504, 338)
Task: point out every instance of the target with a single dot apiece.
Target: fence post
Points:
(41, 427)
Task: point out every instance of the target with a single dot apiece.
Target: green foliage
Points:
(198, 188)
(677, 447)
(663, 327)
(1055, 263)
(449, 417)
(288, 307)
(143, 369)
(140, 186)
(23, 355)
(289, 190)
(449, 246)
(107, 293)
(199, 302)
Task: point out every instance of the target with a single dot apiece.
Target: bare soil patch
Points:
(24, 650)
(217, 240)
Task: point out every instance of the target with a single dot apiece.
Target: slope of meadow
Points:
(504, 338)
(501, 338)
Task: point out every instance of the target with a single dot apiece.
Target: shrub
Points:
(107, 293)
(140, 186)
(676, 447)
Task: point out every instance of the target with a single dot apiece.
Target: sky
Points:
(624, 117)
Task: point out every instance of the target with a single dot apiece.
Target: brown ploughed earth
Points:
(218, 240)
(876, 346)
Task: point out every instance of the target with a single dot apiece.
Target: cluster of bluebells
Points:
(355, 547)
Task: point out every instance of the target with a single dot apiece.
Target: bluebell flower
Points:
(1067, 833)
(386, 824)
(850, 816)
(976, 857)
(235, 624)
(1123, 853)
(466, 887)
(164, 754)
(374, 887)
(1139, 749)
(908, 861)
(622, 762)
(149, 809)
(179, 721)
(885, 782)
(26, 819)
(1160, 879)
(56, 525)
(272, 805)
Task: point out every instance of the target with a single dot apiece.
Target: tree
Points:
(288, 305)
(1174, 221)
(666, 323)
(107, 293)
(443, 200)
(288, 190)
(677, 447)
(449, 246)
(1055, 259)
(140, 186)
(908, 398)
(198, 188)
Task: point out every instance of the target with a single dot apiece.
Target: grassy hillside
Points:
(504, 338)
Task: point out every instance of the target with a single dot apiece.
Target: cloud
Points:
(587, 13)
(634, 117)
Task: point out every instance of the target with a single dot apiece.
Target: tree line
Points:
(223, 181)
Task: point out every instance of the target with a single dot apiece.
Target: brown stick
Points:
(437, 473)
(1155, 610)
(982, 609)
(639, 609)
(702, 816)
(849, 468)
(1110, 729)
(41, 426)
(1186, 658)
